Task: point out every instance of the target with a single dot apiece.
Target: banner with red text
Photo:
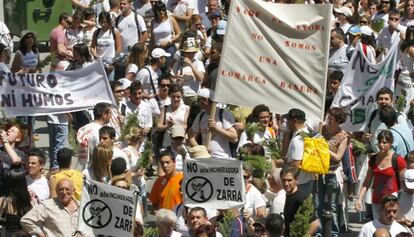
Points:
(360, 84)
(35, 94)
(275, 54)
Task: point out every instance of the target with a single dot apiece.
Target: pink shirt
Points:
(57, 35)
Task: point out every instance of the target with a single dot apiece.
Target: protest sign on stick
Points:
(213, 183)
(275, 54)
(106, 210)
(360, 84)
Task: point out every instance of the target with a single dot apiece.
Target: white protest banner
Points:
(275, 54)
(360, 84)
(106, 210)
(35, 94)
(213, 183)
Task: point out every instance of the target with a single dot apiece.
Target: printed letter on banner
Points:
(276, 54)
(213, 183)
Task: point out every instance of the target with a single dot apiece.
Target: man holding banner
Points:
(221, 127)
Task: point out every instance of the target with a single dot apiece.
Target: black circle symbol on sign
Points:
(99, 214)
(199, 189)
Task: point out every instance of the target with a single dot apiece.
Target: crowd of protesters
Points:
(161, 59)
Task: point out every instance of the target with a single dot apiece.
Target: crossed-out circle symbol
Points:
(199, 189)
(100, 215)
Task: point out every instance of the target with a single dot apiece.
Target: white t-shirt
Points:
(278, 203)
(254, 200)
(144, 113)
(190, 85)
(179, 8)
(129, 30)
(105, 45)
(144, 77)
(369, 228)
(386, 39)
(74, 36)
(295, 153)
(219, 145)
(39, 186)
(88, 35)
(88, 139)
(406, 208)
(120, 153)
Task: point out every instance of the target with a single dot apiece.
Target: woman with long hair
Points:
(16, 204)
(381, 171)
(165, 31)
(174, 114)
(106, 43)
(81, 57)
(27, 57)
(99, 168)
(137, 59)
(408, 15)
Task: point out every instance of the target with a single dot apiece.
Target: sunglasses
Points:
(164, 85)
(393, 19)
(363, 22)
(385, 2)
(246, 177)
(389, 198)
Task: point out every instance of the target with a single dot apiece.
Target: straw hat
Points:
(198, 152)
(190, 45)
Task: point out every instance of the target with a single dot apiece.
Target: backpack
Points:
(394, 164)
(316, 157)
(372, 117)
(233, 145)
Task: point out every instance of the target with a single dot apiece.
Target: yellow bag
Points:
(316, 157)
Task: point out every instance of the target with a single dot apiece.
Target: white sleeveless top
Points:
(29, 60)
(105, 44)
(178, 117)
(162, 31)
(74, 36)
(88, 35)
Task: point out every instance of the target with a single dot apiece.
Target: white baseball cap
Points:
(126, 83)
(205, 93)
(344, 10)
(409, 178)
(159, 52)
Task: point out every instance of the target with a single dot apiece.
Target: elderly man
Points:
(54, 217)
(166, 221)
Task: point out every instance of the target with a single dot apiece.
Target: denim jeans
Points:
(58, 134)
(328, 194)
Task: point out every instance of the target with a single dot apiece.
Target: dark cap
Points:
(118, 166)
(296, 114)
(260, 221)
(215, 14)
